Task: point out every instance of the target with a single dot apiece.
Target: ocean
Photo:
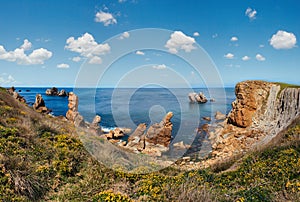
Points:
(126, 107)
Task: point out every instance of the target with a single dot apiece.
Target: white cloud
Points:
(37, 56)
(283, 40)
(26, 45)
(76, 59)
(261, 46)
(229, 56)
(196, 34)
(124, 35)
(87, 47)
(95, 60)
(251, 13)
(162, 66)
(63, 66)
(234, 38)
(246, 58)
(6, 79)
(105, 18)
(179, 41)
(139, 52)
(122, 1)
(259, 57)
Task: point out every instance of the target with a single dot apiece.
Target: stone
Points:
(62, 93)
(73, 114)
(136, 140)
(95, 125)
(51, 92)
(199, 98)
(117, 133)
(158, 136)
(39, 104)
(219, 116)
(206, 118)
(17, 96)
(181, 145)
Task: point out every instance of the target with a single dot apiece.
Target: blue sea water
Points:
(130, 107)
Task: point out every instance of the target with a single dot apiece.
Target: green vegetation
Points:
(42, 159)
(286, 85)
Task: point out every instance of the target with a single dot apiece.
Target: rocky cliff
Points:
(261, 110)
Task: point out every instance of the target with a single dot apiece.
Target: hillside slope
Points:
(42, 159)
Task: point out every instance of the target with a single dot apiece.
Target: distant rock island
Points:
(55, 92)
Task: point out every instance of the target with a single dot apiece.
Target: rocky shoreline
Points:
(260, 112)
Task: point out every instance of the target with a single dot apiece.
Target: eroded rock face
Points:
(158, 136)
(73, 114)
(62, 93)
(95, 125)
(39, 104)
(261, 110)
(136, 140)
(53, 91)
(199, 98)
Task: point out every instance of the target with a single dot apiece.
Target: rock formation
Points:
(199, 98)
(158, 136)
(136, 140)
(73, 114)
(95, 125)
(261, 110)
(55, 92)
(219, 116)
(39, 104)
(16, 95)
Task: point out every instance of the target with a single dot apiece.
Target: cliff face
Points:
(261, 110)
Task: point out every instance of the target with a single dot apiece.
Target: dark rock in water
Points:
(27, 90)
(53, 91)
(197, 98)
(62, 93)
(73, 114)
(212, 100)
(19, 90)
(206, 118)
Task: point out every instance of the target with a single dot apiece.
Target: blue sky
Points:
(69, 43)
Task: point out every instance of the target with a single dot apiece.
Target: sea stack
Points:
(73, 114)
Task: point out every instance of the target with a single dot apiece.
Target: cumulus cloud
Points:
(180, 41)
(63, 66)
(251, 13)
(196, 34)
(246, 58)
(162, 66)
(88, 48)
(234, 38)
(124, 35)
(76, 59)
(139, 52)
(37, 56)
(259, 57)
(105, 18)
(283, 40)
(214, 36)
(6, 79)
(229, 56)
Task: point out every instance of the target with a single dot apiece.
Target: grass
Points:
(43, 159)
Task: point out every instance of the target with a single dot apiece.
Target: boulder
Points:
(17, 96)
(136, 140)
(51, 92)
(62, 93)
(181, 145)
(117, 133)
(219, 116)
(95, 125)
(199, 98)
(73, 114)
(158, 136)
(39, 104)
(206, 118)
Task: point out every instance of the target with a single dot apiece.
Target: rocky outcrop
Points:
(39, 104)
(55, 92)
(197, 98)
(158, 136)
(219, 116)
(136, 140)
(16, 95)
(95, 125)
(73, 114)
(261, 110)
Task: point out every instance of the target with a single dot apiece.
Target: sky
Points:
(170, 43)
